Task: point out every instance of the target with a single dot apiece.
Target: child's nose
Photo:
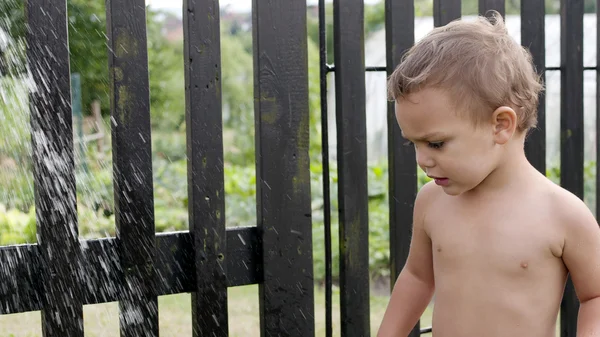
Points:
(424, 160)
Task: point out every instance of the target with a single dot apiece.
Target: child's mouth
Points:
(441, 181)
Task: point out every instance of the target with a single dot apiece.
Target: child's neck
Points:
(513, 170)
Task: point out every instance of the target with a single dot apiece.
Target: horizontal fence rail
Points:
(21, 287)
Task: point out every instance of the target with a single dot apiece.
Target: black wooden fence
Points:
(60, 273)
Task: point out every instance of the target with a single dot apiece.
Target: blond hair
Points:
(478, 64)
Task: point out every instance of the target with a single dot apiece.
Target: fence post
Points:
(597, 109)
(400, 37)
(282, 167)
(53, 168)
(497, 5)
(571, 131)
(206, 190)
(533, 38)
(132, 165)
(445, 11)
(348, 27)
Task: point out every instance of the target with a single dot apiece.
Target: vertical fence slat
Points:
(445, 11)
(571, 129)
(53, 168)
(497, 5)
(205, 165)
(533, 38)
(323, 71)
(402, 171)
(132, 165)
(349, 59)
(597, 110)
(282, 167)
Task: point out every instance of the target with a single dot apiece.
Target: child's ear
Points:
(504, 123)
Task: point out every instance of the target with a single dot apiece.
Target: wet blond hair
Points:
(478, 64)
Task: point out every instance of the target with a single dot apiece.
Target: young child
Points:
(491, 235)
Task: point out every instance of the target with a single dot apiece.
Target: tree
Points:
(89, 51)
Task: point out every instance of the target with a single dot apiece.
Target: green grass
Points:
(102, 320)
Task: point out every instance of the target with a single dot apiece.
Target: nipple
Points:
(524, 265)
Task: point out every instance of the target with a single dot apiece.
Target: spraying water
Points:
(94, 191)
(16, 179)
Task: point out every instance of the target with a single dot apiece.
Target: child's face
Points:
(449, 147)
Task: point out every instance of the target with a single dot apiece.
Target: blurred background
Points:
(91, 102)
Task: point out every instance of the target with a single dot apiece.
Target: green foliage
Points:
(14, 120)
(89, 57)
(170, 146)
(12, 15)
(88, 50)
(238, 103)
(16, 226)
(12, 41)
(166, 78)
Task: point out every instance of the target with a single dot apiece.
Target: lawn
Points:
(102, 320)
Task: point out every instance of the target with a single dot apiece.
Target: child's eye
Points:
(437, 145)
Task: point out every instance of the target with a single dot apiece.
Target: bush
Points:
(16, 226)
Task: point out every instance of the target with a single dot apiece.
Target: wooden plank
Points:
(22, 291)
(206, 190)
(402, 172)
(21, 288)
(534, 39)
(132, 164)
(348, 25)
(282, 167)
(497, 5)
(323, 71)
(597, 109)
(445, 11)
(53, 168)
(175, 260)
(571, 127)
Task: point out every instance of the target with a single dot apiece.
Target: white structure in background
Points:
(376, 94)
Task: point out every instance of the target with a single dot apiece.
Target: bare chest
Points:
(498, 243)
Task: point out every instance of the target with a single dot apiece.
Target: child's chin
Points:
(452, 190)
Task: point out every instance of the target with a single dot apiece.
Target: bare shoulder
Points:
(568, 209)
(427, 194)
(581, 233)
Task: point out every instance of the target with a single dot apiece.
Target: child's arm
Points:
(414, 287)
(581, 255)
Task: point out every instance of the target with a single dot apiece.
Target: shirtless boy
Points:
(491, 235)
